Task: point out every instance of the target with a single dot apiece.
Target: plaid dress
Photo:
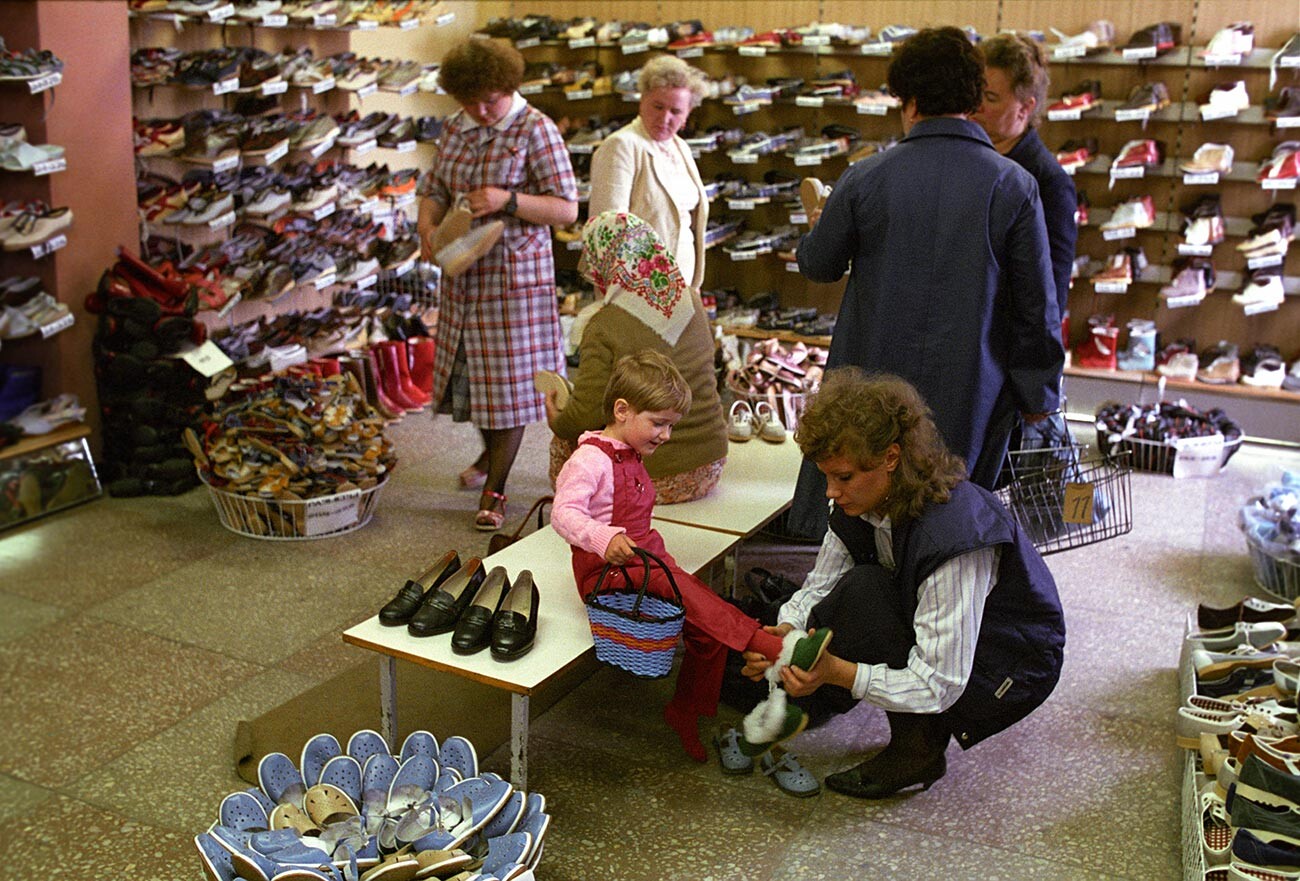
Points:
(503, 309)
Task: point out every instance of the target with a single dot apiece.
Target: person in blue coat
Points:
(950, 277)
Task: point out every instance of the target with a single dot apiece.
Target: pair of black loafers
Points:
(482, 609)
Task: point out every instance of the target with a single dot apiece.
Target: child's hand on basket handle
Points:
(619, 549)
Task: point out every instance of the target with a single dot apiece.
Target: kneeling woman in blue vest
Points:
(944, 614)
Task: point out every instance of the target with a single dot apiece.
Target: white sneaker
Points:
(1232, 98)
(1236, 39)
(1262, 289)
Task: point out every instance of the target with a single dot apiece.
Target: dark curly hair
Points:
(858, 415)
(941, 70)
(478, 67)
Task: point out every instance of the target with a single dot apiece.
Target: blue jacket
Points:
(1060, 200)
(1021, 642)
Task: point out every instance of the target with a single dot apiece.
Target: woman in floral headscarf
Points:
(646, 305)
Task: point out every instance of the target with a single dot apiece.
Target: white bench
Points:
(756, 486)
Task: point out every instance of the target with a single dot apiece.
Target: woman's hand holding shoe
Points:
(756, 663)
(830, 670)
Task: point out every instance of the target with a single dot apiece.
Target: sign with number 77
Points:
(1078, 503)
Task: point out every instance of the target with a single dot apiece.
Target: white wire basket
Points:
(1278, 575)
(295, 520)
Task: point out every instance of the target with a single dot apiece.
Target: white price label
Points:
(404, 199)
(1130, 173)
(225, 86)
(319, 150)
(1287, 122)
(582, 43)
(741, 204)
(1123, 232)
(581, 149)
(752, 51)
(224, 220)
(1141, 53)
(369, 206)
(810, 101)
(365, 147)
(631, 97)
(876, 49)
(325, 279)
(234, 300)
(277, 154)
(746, 107)
(575, 245)
(528, 43)
(1142, 114)
(1200, 178)
(1184, 300)
(744, 158)
(367, 282)
(1261, 308)
(332, 513)
(1187, 250)
(802, 159)
(1278, 183)
(816, 40)
(50, 166)
(531, 88)
(225, 163)
(367, 91)
(873, 109)
(578, 95)
(743, 255)
(1209, 112)
(1062, 52)
(405, 147)
(1265, 262)
(1198, 456)
(1111, 287)
(221, 13)
(408, 24)
(634, 48)
(367, 25)
(798, 218)
(1067, 115)
(1289, 61)
(445, 19)
(324, 21)
(324, 211)
(1222, 60)
(275, 20)
(41, 84)
(792, 267)
(207, 359)
(403, 269)
(62, 323)
(691, 52)
(409, 89)
(323, 86)
(274, 87)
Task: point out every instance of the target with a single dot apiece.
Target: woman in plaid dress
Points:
(497, 323)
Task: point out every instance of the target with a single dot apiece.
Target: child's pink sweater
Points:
(584, 497)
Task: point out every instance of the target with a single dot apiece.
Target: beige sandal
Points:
(326, 804)
(490, 519)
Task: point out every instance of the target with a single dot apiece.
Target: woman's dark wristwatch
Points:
(512, 204)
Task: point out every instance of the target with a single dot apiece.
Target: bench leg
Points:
(388, 700)
(519, 741)
(730, 571)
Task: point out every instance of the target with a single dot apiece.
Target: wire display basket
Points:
(1155, 456)
(1277, 570)
(1063, 501)
(295, 520)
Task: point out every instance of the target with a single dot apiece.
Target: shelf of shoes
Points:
(329, 15)
(46, 473)
(1178, 386)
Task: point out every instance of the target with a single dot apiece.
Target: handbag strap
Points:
(540, 507)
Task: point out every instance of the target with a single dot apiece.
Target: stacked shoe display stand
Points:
(40, 473)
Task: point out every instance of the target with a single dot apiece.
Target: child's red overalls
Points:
(712, 624)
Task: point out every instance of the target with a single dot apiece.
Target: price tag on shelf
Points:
(752, 51)
(1265, 262)
(1141, 114)
(409, 24)
(803, 159)
(1077, 504)
(1070, 169)
(691, 52)
(43, 83)
(62, 323)
(445, 19)
(1289, 61)
(368, 90)
(1261, 308)
(222, 12)
(323, 86)
(409, 89)
(581, 149)
(1111, 287)
(1222, 60)
(792, 267)
(582, 43)
(225, 86)
(50, 166)
(324, 21)
(365, 147)
(367, 25)
(325, 279)
(319, 150)
(1123, 232)
(531, 88)
(1187, 250)
(331, 513)
(405, 147)
(876, 49)
(798, 217)
(1060, 53)
(743, 255)
(1141, 53)
(404, 199)
(324, 211)
(207, 359)
(403, 269)
(1278, 183)
(746, 107)
(1200, 178)
(741, 204)
(277, 154)
(631, 97)
(578, 95)
(227, 219)
(743, 158)
(816, 40)
(1069, 114)
(1287, 122)
(368, 282)
(575, 245)
(634, 48)
(370, 206)
(809, 101)
(234, 300)
(528, 43)
(873, 109)
(1184, 300)
(1130, 173)
(1209, 112)
(275, 20)
(1198, 456)
(274, 87)
(225, 163)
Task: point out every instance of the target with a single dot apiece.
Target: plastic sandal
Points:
(740, 427)
(327, 804)
(536, 826)
(506, 819)
(280, 780)
(458, 753)
(345, 773)
(412, 782)
(732, 759)
(216, 859)
(483, 798)
(378, 773)
(241, 811)
(366, 743)
(490, 519)
(316, 753)
(420, 743)
(789, 776)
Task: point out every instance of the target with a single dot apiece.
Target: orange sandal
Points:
(489, 519)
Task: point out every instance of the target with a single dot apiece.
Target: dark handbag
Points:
(632, 628)
(500, 541)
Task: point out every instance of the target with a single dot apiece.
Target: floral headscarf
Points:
(624, 259)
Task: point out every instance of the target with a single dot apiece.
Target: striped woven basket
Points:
(633, 629)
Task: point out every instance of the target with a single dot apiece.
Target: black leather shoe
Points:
(861, 782)
(514, 626)
(402, 607)
(441, 607)
(474, 629)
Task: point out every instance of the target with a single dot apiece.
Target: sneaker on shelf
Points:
(1263, 288)
(1219, 364)
(1263, 367)
(1226, 98)
(1138, 213)
(1098, 351)
(1237, 38)
(1140, 354)
(1209, 158)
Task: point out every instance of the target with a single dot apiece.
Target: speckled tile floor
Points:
(135, 633)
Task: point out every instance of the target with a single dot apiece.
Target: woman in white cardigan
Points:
(645, 169)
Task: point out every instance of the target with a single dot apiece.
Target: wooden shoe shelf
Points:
(46, 473)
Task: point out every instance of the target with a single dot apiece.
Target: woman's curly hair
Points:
(941, 70)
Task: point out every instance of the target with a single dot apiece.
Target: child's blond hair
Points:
(647, 380)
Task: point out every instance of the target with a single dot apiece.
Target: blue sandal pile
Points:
(364, 814)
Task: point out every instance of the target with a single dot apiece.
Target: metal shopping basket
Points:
(1064, 500)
